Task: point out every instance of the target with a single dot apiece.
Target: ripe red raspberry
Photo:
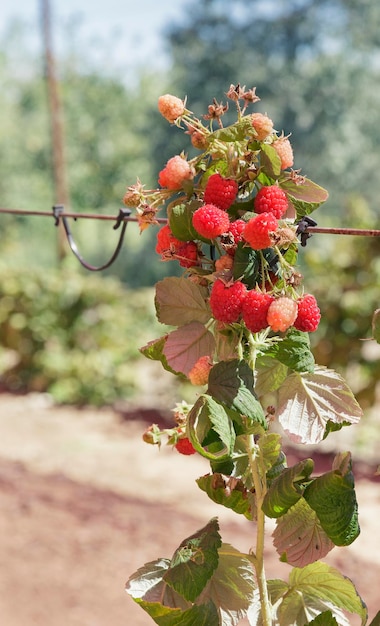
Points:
(262, 124)
(187, 254)
(271, 199)
(226, 300)
(210, 222)
(166, 242)
(284, 150)
(257, 231)
(236, 230)
(220, 191)
(175, 172)
(184, 446)
(199, 373)
(282, 314)
(170, 107)
(255, 310)
(309, 314)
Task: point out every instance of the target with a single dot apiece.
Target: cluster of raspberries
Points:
(230, 302)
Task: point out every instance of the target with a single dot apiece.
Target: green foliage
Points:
(73, 336)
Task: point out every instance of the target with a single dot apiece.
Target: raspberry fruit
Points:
(236, 231)
(284, 150)
(184, 446)
(225, 262)
(187, 254)
(166, 242)
(226, 300)
(271, 199)
(170, 107)
(175, 172)
(282, 314)
(309, 314)
(262, 124)
(210, 222)
(220, 191)
(255, 310)
(257, 231)
(198, 375)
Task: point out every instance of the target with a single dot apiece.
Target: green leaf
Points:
(308, 401)
(376, 325)
(208, 415)
(231, 493)
(299, 537)
(179, 301)
(194, 562)
(320, 583)
(232, 383)
(287, 488)
(180, 220)
(235, 132)
(231, 587)
(246, 265)
(324, 619)
(270, 374)
(270, 161)
(203, 615)
(305, 196)
(332, 496)
(270, 449)
(154, 350)
(293, 351)
(184, 346)
(147, 587)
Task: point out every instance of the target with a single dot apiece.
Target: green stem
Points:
(260, 491)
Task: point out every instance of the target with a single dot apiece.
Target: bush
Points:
(75, 337)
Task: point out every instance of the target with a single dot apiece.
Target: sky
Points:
(133, 26)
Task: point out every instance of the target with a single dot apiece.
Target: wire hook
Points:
(58, 213)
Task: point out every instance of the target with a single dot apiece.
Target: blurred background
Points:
(317, 72)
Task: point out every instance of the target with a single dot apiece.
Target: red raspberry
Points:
(262, 124)
(236, 230)
(175, 172)
(199, 373)
(257, 231)
(309, 314)
(210, 222)
(184, 446)
(284, 150)
(220, 191)
(166, 242)
(271, 199)
(170, 107)
(226, 300)
(187, 254)
(255, 310)
(282, 314)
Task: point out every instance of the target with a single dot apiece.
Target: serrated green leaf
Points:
(376, 325)
(184, 346)
(270, 448)
(203, 615)
(232, 383)
(287, 488)
(180, 220)
(194, 562)
(179, 301)
(229, 493)
(306, 191)
(246, 265)
(293, 351)
(208, 415)
(270, 161)
(321, 582)
(235, 132)
(332, 496)
(231, 587)
(324, 619)
(301, 207)
(308, 401)
(270, 374)
(299, 537)
(154, 351)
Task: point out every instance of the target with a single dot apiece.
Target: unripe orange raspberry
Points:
(284, 150)
(262, 124)
(225, 262)
(176, 171)
(198, 375)
(282, 314)
(170, 107)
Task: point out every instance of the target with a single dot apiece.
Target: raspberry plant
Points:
(240, 322)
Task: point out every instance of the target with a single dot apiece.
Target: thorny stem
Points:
(258, 560)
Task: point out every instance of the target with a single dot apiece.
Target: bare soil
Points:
(84, 503)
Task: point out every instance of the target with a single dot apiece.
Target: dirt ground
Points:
(84, 503)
